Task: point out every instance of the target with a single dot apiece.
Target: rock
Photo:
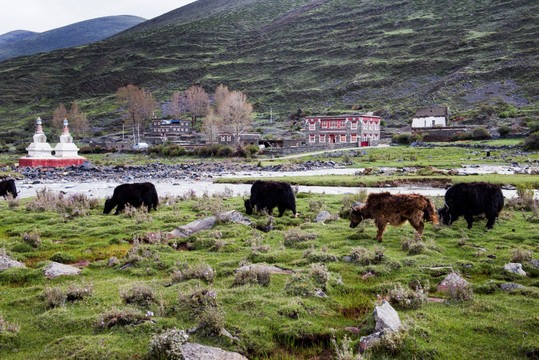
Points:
(113, 261)
(267, 268)
(7, 263)
(352, 329)
(510, 286)
(193, 227)
(81, 263)
(193, 351)
(235, 217)
(366, 342)
(386, 318)
(367, 275)
(346, 258)
(56, 269)
(453, 172)
(534, 263)
(323, 216)
(515, 268)
(438, 300)
(320, 294)
(452, 282)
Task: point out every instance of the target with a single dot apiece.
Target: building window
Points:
(342, 124)
(229, 138)
(222, 138)
(324, 124)
(322, 138)
(311, 138)
(343, 138)
(353, 138)
(333, 124)
(311, 126)
(354, 125)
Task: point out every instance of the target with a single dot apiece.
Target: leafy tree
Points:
(139, 105)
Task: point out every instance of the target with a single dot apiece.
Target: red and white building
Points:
(360, 130)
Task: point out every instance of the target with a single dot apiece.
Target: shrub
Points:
(344, 351)
(121, 317)
(139, 294)
(366, 257)
(69, 206)
(533, 126)
(6, 326)
(225, 151)
(198, 301)
(168, 345)
(252, 275)
(294, 237)
(480, 133)
(349, 200)
(520, 255)
(199, 271)
(54, 297)
(531, 142)
(504, 130)
(524, 200)
(408, 299)
(405, 139)
(211, 321)
(32, 239)
(413, 246)
(63, 257)
(252, 150)
(76, 292)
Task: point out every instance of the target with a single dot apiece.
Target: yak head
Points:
(248, 206)
(445, 215)
(356, 215)
(108, 206)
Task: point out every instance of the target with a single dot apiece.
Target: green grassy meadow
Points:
(279, 317)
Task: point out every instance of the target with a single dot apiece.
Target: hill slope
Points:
(14, 36)
(322, 55)
(80, 33)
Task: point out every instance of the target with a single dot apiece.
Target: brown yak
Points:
(385, 209)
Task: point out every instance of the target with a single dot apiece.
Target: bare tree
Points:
(78, 121)
(236, 113)
(139, 105)
(211, 125)
(220, 94)
(58, 116)
(197, 103)
(174, 107)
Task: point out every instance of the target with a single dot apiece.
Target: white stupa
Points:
(40, 148)
(66, 148)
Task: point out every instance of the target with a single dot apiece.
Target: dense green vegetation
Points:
(155, 284)
(321, 56)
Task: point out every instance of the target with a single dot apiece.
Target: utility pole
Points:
(271, 115)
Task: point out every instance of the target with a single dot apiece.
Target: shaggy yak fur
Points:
(136, 194)
(8, 186)
(469, 199)
(385, 209)
(270, 194)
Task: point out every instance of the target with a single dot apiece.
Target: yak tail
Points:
(430, 213)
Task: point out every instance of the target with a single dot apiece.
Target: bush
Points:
(63, 257)
(460, 136)
(405, 139)
(252, 275)
(139, 294)
(480, 133)
(121, 317)
(531, 143)
(167, 346)
(408, 299)
(225, 151)
(533, 126)
(199, 271)
(251, 150)
(54, 297)
(504, 130)
(32, 239)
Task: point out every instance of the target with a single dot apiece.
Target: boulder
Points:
(193, 351)
(56, 269)
(113, 261)
(515, 268)
(366, 342)
(534, 263)
(452, 282)
(265, 268)
(7, 263)
(323, 216)
(235, 217)
(386, 318)
(510, 286)
(193, 227)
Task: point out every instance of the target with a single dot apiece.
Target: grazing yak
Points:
(469, 199)
(270, 194)
(136, 194)
(385, 209)
(8, 186)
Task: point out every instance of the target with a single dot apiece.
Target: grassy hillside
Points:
(322, 56)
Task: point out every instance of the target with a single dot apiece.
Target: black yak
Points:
(385, 209)
(469, 199)
(136, 194)
(8, 186)
(270, 194)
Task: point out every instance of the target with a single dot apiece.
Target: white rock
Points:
(514, 268)
(192, 351)
(7, 263)
(56, 269)
(386, 318)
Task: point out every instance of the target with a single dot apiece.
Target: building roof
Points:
(431, 111)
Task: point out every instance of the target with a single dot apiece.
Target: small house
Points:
(358, 130)
(246, 138)
(431, 117)
(172, 130)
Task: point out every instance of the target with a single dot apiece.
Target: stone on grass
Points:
(386, 318)
(534, 263)
(366, 342)
(55, 269)
(193, 227)
(7, 263)
(510, 286)
(193, 351)
(322, 216)
(264, 268)
(113, 261)
(452, 282)
(515, 268)
(235, 217)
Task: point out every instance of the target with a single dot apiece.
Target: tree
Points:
(139, 105)
(197, 103)
(78, 122)
(236, 111)
(174, 107)
(211, 125)
(220, 94)
(58, 116)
